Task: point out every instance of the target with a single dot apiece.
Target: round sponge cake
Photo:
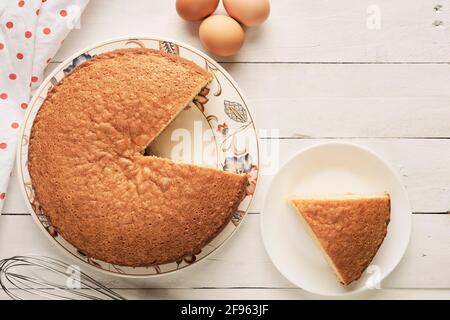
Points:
(92, 179)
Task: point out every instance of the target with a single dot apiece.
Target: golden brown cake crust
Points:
(93, 182)
(350, 230)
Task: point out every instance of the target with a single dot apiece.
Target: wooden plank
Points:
(337, 100)
(422, 164)
(277, 294)
(243, 262)
(297, 30)
(268, 294)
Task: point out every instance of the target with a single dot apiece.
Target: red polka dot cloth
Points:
(31, 32)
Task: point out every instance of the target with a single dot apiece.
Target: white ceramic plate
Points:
(220, 113)
(331, 168)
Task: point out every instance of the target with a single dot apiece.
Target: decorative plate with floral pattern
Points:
(216, 130)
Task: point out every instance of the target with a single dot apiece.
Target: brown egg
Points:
(194, 10)
(248, 12)
(221, 35)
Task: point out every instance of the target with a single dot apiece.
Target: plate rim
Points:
(35, 97)
(388, 167)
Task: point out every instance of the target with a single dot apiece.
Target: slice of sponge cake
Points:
(348, 228)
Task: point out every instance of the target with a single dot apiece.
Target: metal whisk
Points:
(33, 276)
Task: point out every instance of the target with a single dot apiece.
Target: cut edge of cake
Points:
(316, 241)
(196, 92)
(174, 58)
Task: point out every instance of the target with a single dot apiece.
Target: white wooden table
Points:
(317, 70)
